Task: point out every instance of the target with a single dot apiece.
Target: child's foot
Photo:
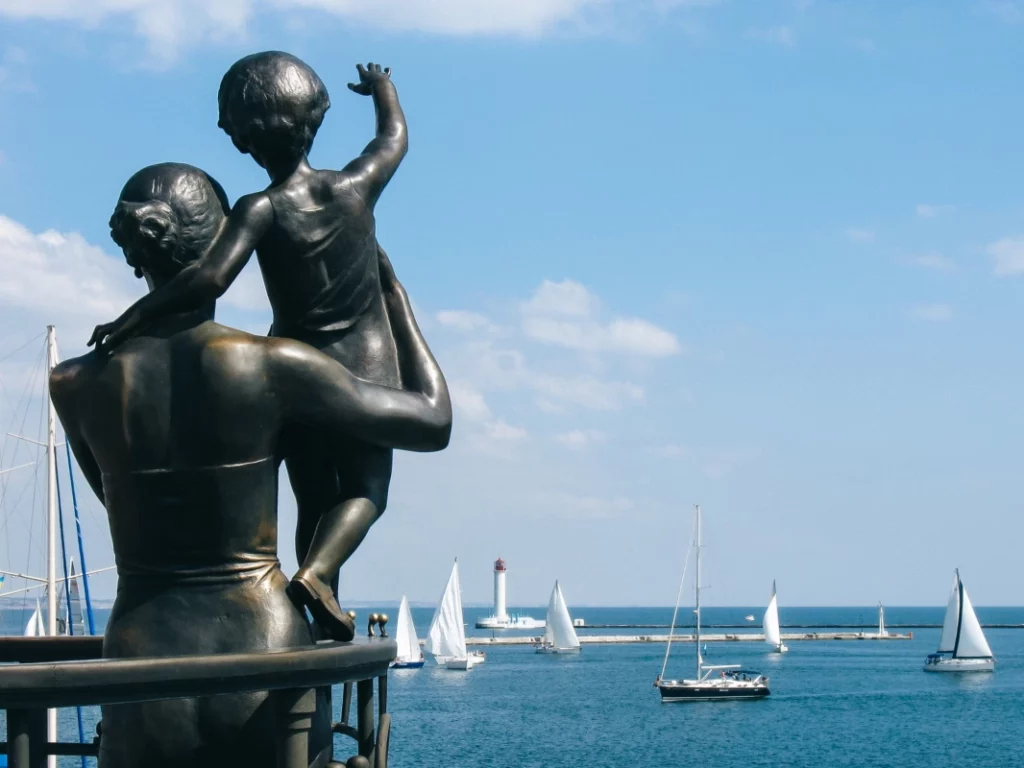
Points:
(307, 589)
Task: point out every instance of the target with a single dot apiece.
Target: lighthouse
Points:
(501, 618)
(500, 611)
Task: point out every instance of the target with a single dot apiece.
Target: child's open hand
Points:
(369, 76)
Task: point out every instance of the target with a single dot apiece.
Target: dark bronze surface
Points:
(314, 235)
(179, 425)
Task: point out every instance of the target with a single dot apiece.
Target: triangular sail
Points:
(446, 638)
(35, 627)
(949, 625)
(76, 614)
(770, 623)
(558, 629)
(972, 642)
(405, 635)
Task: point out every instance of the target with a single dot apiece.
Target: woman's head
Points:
(271, 105)
(167, 216)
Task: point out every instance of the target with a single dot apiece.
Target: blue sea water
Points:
(833, 703)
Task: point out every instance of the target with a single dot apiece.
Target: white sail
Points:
(405, 635)
(76, 615)
(972, 640)
(35, 626)
(770, 623)
(949, 625)
(558, 629)
(446, 638)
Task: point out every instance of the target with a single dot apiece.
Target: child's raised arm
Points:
(202, 281)
(373, 169)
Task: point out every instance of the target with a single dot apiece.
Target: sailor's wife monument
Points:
(210, 658)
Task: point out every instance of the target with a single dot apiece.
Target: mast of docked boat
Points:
(51, 521)
(696, 610)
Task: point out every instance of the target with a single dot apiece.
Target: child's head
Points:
(271, 105)
(167, 216)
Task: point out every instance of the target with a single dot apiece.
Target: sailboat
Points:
(559, 633)
(962, 647)
(35, 626)
(882, 631)
(63, 613)
(770, 623)
(446, 638)
(409, 654)
(713, 682)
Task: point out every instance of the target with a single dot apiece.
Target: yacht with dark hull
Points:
(713, 682)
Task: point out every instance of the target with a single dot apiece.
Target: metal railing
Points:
(56, 672)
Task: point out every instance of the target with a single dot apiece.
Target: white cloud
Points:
(1008, 11)
(14, 74)
(578, 439)
(860, 235)
(569, 505)
(566, 314)
(672, 451)
(934, 313)
(61, 277)
(502, 431)
(464, 321)
(926, 211)
(933, 260)
(780, 34)
(1009, 255)
(585, 391)
(247, 292)
(169, 25)
(468, 401)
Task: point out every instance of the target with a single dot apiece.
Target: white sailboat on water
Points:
(409, 654)
(36, 627)
(713, 682)
(962, 647)
(770, 623)
(446, 638)
(559, 633)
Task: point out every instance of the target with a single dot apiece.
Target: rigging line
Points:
(21, 406)
(679, 596)
(11, 354)
(81, 542)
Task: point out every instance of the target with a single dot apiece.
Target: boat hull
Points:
(780, 648)
(464, 665)
(407, 664)
(552, 649)
(684, 691)
(961, 665)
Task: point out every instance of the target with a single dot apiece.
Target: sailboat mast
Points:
(696, 611)
(51, 519)
(51, 492)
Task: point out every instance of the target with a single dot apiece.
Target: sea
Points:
(833, 703)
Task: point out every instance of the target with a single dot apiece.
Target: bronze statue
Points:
(178, 432)
(314, 236)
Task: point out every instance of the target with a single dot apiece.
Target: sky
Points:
(766, 257)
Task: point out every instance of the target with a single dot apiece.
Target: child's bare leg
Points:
(364, 473)
(314, 479)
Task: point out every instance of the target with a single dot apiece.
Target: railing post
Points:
(346, 702)
(364, 713)
(26, 738)
(296, 709)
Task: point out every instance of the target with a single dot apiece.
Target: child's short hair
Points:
(177, 207)
(272, 102)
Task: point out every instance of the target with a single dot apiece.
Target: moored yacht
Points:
(713, 682)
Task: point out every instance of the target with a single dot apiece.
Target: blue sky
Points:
(762, 256)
